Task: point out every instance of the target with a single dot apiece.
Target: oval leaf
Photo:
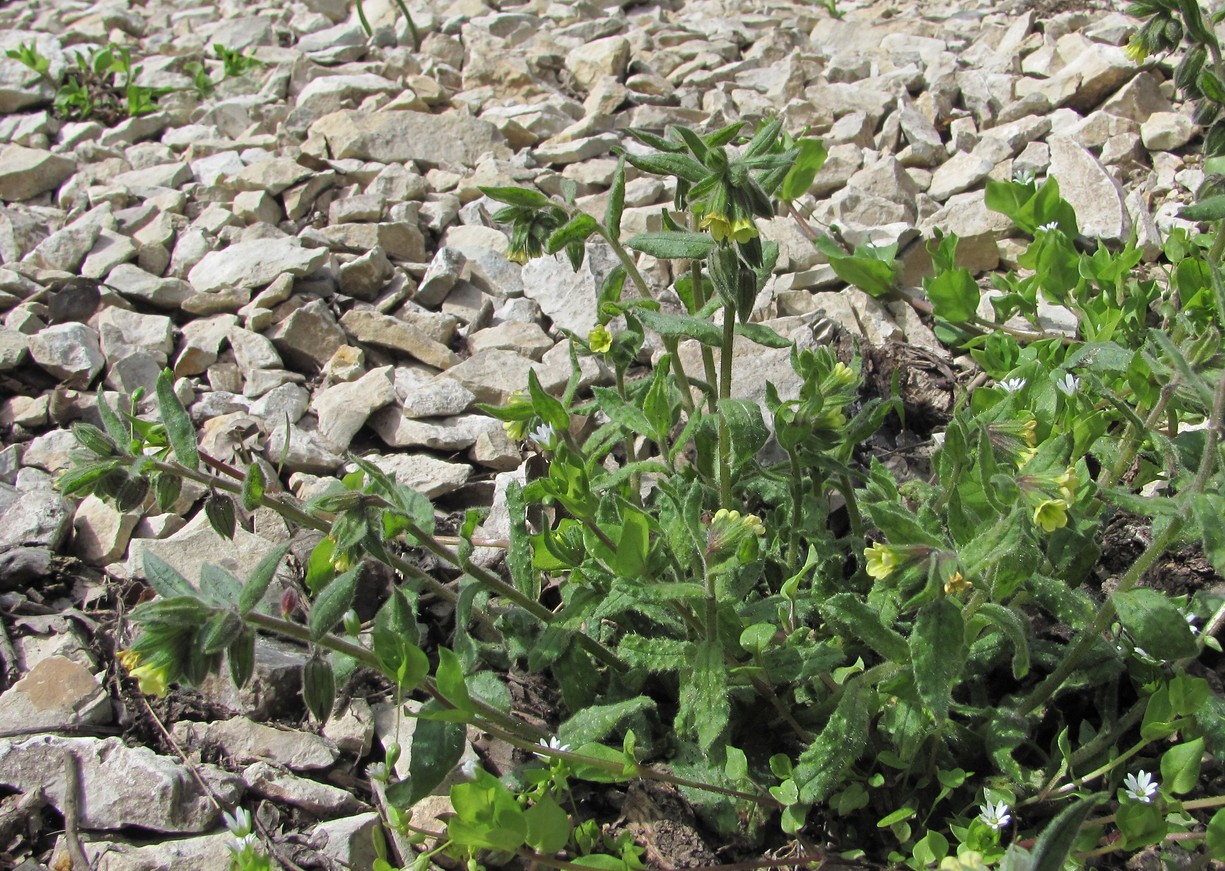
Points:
(179, 429)
(330, 606)
(678, 245)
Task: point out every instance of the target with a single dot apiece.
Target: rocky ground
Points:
(309, 250)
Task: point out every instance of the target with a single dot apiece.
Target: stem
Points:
(635, 480)
(708, 356)
(725, 392)
(797, 506)
(672, 344)
(631, 268)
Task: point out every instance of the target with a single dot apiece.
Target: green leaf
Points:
(219, 509)
(522, 197)
(1011, 624)
(450, 680)
(603, 773)
(760, 334)
(163, 578)
(680, 165)
(253, 486)
(616, 201)
(596, 722)
(319, 567)
(219, 632)
(704, 705)
(746, 427)
(682, 327)
(854, 618)
(548, 827)
(219, 587)
(633, 544)
(575, 231)
(436, 749)
(821, 768)
(241, 657)
(1215, 840)
(319, 687)
(261, 578)
(1180, 766)
(874, 277)
(1155, 624)
(550, 410)
(938, 650)
(1057, 839)
(954, 294)
(1187, 694)
(808, 162)
(1210, 209)
(1141, 824)
(656, 655)
(179, 428)
(677, 245)
(331, 604)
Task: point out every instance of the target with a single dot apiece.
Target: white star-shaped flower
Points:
(1140, 787)
(995, 815)
(1012, 385)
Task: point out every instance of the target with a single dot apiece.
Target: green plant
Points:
(801, 645)
(408, 19)
(28, 54)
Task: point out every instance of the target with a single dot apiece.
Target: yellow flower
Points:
(154, 679)
(1068, 483)
(1029, 432)
(129, 659)
(753, 523)
(882, 560)
(600, 340)
(517, 255)
(742, 230)
(719, 226)
(1051, 514)
(1135, 50)
(956, 584)
(841, 376)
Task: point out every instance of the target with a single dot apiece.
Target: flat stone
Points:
(1167, 131)
(1092, 191)
(427, 475)
(56, 694)
(364, 276)
(69, 352)
(122, 332)
(446, 434)
(385, 331)
(349, 841)
(254, 264)
(343, 408)
(398, 137)
(484, 250)
(493, 375)
(589, 63)
(961, 172)
(137, 284)
(202, 853)
(244, 741)
(525, 338)
(27, 172)
(309, 336)
(120, 786)
(567, 297)
(309, 795)
(101, 533)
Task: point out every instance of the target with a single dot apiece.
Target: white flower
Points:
(239, 823)
(1068, 384)
(243, 846)
(995, 815)
(544, 436)
(377, 771)
(1023, 176)
(1012, 385)
(468, 769)
(552, 744)
(1191, 618)
(1049, 227)
(1140, 787)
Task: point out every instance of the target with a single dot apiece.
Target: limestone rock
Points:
(57, 693)
(253, 264)
(121, 786)
(1092, 191)
(27, 172)
(398, 137)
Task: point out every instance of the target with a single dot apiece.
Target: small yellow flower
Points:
(753, 523)
(154, 679)
(956, 584)
(129, 659)
(841, 376)
(882, 560)
(1025, 456)
(600, 340)
(1051, 514)
(718, 225)
(1135, 50)
(1029, 432)
(517, 255)
(1068, 483)
(742, 230)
